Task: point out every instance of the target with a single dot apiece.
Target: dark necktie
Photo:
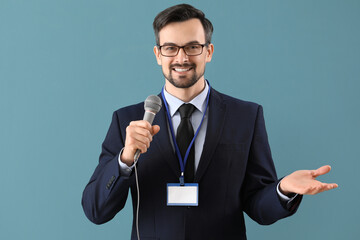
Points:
(185, 133)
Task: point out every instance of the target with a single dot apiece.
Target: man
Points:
(229, 161)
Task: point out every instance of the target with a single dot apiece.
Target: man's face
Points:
(183, 71)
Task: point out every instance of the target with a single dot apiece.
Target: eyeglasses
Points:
(190, 49)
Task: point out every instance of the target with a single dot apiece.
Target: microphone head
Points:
(153, 104)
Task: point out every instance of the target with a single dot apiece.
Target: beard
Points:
(183, 81)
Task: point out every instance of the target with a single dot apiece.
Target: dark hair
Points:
(181, 13)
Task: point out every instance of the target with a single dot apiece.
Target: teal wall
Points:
(65, 66)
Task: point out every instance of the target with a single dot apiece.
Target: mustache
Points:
(185, 65)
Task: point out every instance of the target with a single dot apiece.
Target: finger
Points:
(328, 187)
(331, 186)
(142, 147)
(321, 171)
(143, 132)
(141, 123)
(134, 135)
(145, 138)
(137, 135)
(322, 188)
(133, 145)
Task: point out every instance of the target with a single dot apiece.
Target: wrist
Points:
(284, 191)
(124, 158)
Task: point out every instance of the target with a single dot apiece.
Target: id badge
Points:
(187, 195)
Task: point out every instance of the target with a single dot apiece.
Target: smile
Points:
(182, 69)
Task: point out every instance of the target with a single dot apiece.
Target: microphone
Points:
(152, 106)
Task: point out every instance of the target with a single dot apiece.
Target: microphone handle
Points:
(148, 116)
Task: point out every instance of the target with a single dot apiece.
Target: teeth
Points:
(181, 69)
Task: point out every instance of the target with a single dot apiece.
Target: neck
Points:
(186, 94)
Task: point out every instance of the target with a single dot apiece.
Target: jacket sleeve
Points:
(106, 193)
(261, 200)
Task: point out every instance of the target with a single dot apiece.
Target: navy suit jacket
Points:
(236, 174)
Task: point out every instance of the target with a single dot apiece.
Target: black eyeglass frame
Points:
(183, 47)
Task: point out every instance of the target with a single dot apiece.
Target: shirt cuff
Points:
(125, 170)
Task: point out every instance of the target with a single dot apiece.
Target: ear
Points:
(209, 52)
(157, 54)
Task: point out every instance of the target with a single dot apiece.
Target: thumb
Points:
(321, 170)
(155, 129)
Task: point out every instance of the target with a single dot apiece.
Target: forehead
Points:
(182, 33)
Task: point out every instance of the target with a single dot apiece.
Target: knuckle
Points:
(129, 128)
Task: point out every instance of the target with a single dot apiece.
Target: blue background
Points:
(65, 66)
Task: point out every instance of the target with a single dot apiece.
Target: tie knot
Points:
(186, 110)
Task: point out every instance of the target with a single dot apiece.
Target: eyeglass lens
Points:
(190, 50)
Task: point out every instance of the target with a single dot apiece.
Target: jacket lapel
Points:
(215, 125)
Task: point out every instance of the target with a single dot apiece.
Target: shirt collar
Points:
(199, 101)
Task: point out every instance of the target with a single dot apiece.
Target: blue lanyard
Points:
(181, 160)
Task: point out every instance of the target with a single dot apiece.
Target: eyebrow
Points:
(173, 44)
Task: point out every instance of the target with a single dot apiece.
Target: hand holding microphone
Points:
(139, 134)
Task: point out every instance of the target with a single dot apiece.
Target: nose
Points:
(181, 57)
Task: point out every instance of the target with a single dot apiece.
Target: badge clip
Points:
(181, 179)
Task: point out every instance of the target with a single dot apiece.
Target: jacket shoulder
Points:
(130, 113)
(233, 102)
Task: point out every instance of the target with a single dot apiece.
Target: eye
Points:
(193, 47)
(169, 48)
